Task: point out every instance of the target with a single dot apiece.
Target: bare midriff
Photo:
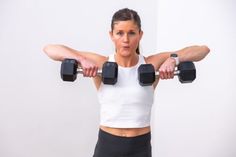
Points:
(126, 132)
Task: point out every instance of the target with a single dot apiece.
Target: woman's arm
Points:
(90, 62)
(191, 53)
(60, 52)
(166, 65)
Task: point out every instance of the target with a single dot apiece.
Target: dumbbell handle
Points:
(99, 72)
(176, 72)
(80, 71)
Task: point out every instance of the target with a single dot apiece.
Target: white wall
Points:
(198, 119)
(39, 114)
(42, 116)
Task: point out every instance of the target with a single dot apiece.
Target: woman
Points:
(125, 106)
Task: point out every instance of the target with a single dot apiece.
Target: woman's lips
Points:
(126, 47)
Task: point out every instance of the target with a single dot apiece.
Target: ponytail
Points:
(137, 50)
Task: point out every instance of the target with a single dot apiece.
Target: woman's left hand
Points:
(166, 71)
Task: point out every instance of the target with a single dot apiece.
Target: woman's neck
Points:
(126, 61)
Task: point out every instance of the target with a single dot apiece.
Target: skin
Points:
(126, 37)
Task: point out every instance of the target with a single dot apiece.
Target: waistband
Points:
(131, 142)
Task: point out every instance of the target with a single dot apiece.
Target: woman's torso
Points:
(125, 132)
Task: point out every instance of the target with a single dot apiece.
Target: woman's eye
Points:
(132, 33)
(119, 33)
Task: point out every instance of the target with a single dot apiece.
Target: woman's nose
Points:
(126, 38)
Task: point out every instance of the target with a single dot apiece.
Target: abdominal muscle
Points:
(126, 132)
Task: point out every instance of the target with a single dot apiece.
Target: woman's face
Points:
(126, 36)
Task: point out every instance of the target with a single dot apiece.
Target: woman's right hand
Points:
(90, 69)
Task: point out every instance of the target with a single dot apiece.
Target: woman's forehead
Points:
(130, 24)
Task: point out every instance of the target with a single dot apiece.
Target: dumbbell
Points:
(186, 73)
(70, 69)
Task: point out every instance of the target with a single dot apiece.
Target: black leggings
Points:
(109, 145)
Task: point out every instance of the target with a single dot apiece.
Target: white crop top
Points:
(126, 104)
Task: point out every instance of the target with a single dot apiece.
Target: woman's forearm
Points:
(60, 52)
(193, 53)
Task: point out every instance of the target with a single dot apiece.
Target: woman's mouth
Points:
(126, 47)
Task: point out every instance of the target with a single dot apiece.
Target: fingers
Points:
(95, 70)
(90, 71)
(166, 72)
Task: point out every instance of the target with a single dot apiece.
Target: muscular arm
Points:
(191, 53)
(89, 61)
(166, 65)
(60, 52)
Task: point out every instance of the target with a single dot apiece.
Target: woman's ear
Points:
(141, 34)
(111, 35)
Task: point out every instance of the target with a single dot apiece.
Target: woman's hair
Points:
(125, 15)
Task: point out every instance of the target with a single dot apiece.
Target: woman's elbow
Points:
(206, 49)
(46, 49)
(49, 50)
(203, 52)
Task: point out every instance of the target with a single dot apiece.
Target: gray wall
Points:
(39, 114)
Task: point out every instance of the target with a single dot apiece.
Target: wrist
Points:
(80, 59)
(175, 57)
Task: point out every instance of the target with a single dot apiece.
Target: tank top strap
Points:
(111, 58)
(141, 60)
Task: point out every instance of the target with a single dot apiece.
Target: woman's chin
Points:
(126, 53)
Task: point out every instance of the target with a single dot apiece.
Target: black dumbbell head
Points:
(109, 73)
(69, 70)
(146, 74)
(187, 72)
